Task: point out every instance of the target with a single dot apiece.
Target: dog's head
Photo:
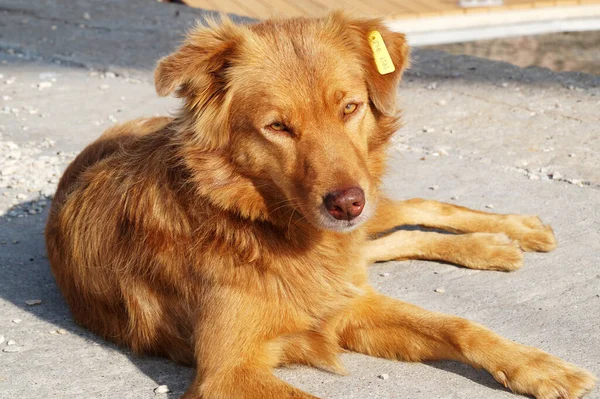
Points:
(298, 106)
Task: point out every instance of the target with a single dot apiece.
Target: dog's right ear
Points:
(198, 66)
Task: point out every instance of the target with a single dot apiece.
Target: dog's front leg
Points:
(385, 327)
(484, 251)
(235, 350)
(529, 231)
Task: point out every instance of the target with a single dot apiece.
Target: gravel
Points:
(29, 174)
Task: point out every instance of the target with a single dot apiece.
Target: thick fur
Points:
(203, 237)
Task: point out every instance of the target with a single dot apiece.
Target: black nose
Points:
(345, 204)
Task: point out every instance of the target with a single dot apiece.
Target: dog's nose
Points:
(345, 204)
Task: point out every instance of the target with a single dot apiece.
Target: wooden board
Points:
(393, 9)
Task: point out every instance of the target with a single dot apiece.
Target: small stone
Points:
(432, 86)
(490, 206)
(21, 196)
(440, 290)
(17, 321)
(9, 170)
(86, 16)
(161, 389)
(33, 302)
(572, 155)
(442, 102)
(44, 85)
(11, 349)
(53, 27)
(556, 176)
(434, 187)
(454, 197)
(10, 342)
(104, 87)
(1, 338)
(110, 75)
(504, 84)
(383, 376)
(62, 331)
(384, 274)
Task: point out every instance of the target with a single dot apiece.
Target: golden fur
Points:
(203, 237)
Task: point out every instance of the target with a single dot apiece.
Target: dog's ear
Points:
(197, 72)
(197, 67)
(382, 81)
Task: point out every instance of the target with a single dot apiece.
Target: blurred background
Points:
(562, 35)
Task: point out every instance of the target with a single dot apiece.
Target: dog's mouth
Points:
(326, 221)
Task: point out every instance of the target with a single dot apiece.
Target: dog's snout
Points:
(345, 204)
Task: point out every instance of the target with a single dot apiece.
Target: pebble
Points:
(383, 376)
(104, 87)
(33, 302)
(490, 206)
(161, 389)
(440, 290)
(434, 187)
(17, 321)
(454, 197)
(10, 342)
(44, 85)
(11, 349)
(384, 274)
(62, 331)
(86, 16)
(442, 102)
(1, 338)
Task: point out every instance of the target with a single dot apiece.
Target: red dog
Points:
(235, 236)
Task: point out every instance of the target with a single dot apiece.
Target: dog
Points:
(235, 235)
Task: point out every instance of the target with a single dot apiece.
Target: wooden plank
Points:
(386, 8)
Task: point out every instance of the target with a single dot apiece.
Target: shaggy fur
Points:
(204, 237)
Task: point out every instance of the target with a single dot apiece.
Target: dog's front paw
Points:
(489, 251)
(534, 372)
(531, 233)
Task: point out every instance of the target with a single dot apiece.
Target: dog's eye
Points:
(350, 108)
(277, 126)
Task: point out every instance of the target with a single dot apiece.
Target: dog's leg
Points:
(529, 231)
(385, 327)
(483, 251)
(236, 351)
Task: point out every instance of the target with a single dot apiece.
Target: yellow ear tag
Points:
(382, 57)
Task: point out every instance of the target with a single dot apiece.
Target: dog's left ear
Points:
(382, 81)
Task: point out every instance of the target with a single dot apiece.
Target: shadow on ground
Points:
(26, 275)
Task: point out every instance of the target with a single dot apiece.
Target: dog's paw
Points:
(488, 251)
(531, 233)
(544, 376)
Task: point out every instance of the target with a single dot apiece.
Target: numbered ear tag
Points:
(382, 57)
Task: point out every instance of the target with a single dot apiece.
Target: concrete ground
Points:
(483, 134)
